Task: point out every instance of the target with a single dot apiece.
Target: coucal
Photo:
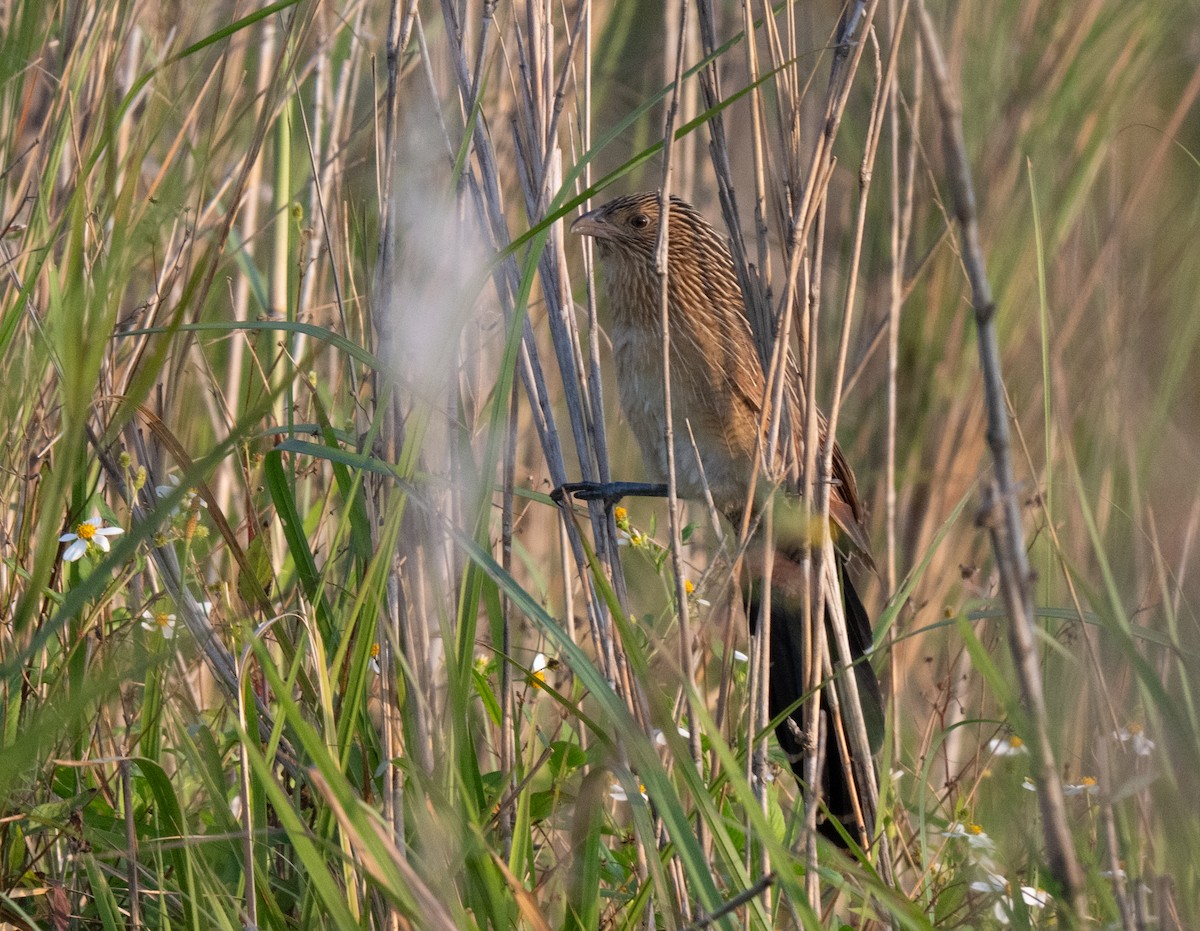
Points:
(717, 399)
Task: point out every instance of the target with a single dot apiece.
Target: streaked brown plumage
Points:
(717, 393)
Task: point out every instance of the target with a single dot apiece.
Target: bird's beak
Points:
(592, 224)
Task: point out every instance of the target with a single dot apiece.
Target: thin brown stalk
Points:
(858, 739)
(757, 306)
(758, 140)
(815, 725)
(1002, 508)
(686, 659)
(902, 195)
(135, 906)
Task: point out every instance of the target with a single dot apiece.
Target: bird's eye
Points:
(639, 221)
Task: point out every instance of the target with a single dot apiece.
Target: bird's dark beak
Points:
(592, 224)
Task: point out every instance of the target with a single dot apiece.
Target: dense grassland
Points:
(294, 345)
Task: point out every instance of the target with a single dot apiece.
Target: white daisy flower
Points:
(1011, 745)
(660, 739)
(618, 794)
(690, 587)
(537, 671)
(974, 834)
(88, 533)
(159, 621)
(1135, 738)
(993, 883)
(1035, 898)
(1086, 786)
(190, 498)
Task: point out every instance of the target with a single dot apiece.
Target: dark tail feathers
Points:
(787, 686)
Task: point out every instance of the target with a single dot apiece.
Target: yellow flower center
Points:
(620, 514)
(974, 829)
(1135, 729)
(1015, 742)
(86, 530)
(1089, 780)
(374, 651)
(689, 586)
(162, 619)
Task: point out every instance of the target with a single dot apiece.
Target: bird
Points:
(717, 400)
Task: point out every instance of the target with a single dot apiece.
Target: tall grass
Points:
(287, 297)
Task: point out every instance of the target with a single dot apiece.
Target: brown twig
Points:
(687, 664)
(1002, 507)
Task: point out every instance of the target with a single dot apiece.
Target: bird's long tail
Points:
(786, 687)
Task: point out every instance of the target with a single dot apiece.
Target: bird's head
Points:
(701, 267)
(630, 224)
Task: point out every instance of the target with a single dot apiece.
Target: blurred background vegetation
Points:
(286, 297)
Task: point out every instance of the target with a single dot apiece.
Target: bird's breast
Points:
(706, 415)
